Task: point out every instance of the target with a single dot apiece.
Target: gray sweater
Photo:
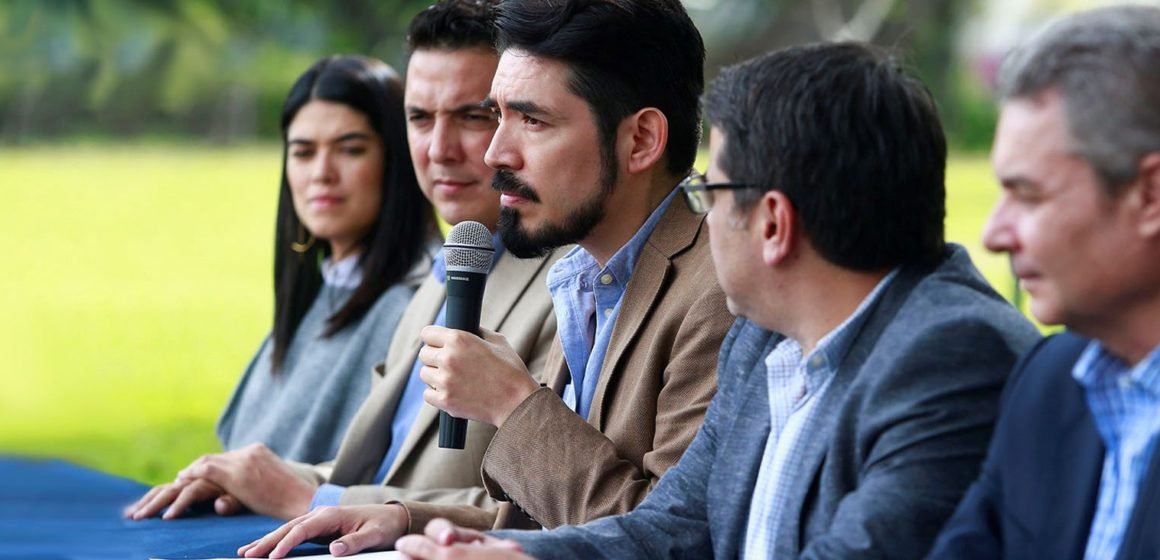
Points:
(303, 413)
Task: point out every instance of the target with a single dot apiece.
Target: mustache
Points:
(505, 181)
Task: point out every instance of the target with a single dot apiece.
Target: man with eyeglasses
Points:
(858, 390)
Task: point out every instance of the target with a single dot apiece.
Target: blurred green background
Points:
(139, 164)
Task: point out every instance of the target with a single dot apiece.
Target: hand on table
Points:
(354, 529)
(442, 540)
(179, 496)
(481, 379)
(253, 477)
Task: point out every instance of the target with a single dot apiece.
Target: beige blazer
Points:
(655, 385)
(516, 303)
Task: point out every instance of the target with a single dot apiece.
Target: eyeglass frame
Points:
(697, 189)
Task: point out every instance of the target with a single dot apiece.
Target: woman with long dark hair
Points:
(354, 237)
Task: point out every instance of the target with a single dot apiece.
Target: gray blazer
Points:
(895, 441)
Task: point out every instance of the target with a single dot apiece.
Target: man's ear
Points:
(1148, 197)
(644, 136)
(775, 220)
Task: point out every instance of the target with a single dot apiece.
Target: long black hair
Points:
(405, 218)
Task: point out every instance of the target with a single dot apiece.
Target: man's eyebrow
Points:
(470, 107)
(1017, 181)
(464, 108)
(519, 106)
(527, 107)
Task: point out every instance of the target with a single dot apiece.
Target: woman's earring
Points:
(305, 241)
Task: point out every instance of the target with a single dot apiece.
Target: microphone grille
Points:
(469, 248)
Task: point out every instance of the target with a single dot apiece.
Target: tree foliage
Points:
(218, 69)
(211, 68)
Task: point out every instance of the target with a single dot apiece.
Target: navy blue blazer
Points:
(1037, 493)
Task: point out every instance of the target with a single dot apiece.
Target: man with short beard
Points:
(599, 123)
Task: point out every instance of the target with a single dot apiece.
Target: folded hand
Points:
(442, 540)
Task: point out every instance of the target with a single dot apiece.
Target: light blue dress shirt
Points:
(1125, 405)
(796, 385)
(410, 402)
(586, 299)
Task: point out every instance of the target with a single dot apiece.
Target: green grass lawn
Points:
(139, 282)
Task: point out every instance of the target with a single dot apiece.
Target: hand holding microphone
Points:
(476, 376)
(467, 254)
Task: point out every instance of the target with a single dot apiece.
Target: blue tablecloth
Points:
(53, 510)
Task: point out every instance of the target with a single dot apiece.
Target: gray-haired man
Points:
(1072, 471)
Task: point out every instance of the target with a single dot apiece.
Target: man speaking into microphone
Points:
(599, 121)
(639, 314)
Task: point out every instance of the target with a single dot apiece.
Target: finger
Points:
(148, 497)
(432, 376)
(197, 491)
(192, 472)
(441, 531)
(428, 356)
(444, 532)
(509, 545)
(433, 397)
(365, 538)
(227, 505)
(214, 469)
(434, 335)
(319, 524)
(418, 547)
(159, 501)
(197, 468)
(184, 473)
(265, 544)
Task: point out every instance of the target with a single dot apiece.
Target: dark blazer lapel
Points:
(1071, 484)
(743, 446)
(675, 231)
(823, 420)
(497, 305)
(366, 442)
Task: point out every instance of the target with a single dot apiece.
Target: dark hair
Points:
(397, 238)
(853, 142)
(624, 55)
(1104, 62)
(453, 25)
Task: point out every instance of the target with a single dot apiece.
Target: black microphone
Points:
(467, 253)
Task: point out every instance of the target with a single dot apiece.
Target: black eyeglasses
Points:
(699, 191)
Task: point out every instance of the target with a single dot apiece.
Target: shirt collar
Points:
(580, 264)
(439, 266)
(1097, 366)
(345, 273)
(832, 347)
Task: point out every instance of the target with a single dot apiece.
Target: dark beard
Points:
(577, 225)
(528, 244)
(525, 244)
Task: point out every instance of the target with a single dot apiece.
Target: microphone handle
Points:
(464, 301)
